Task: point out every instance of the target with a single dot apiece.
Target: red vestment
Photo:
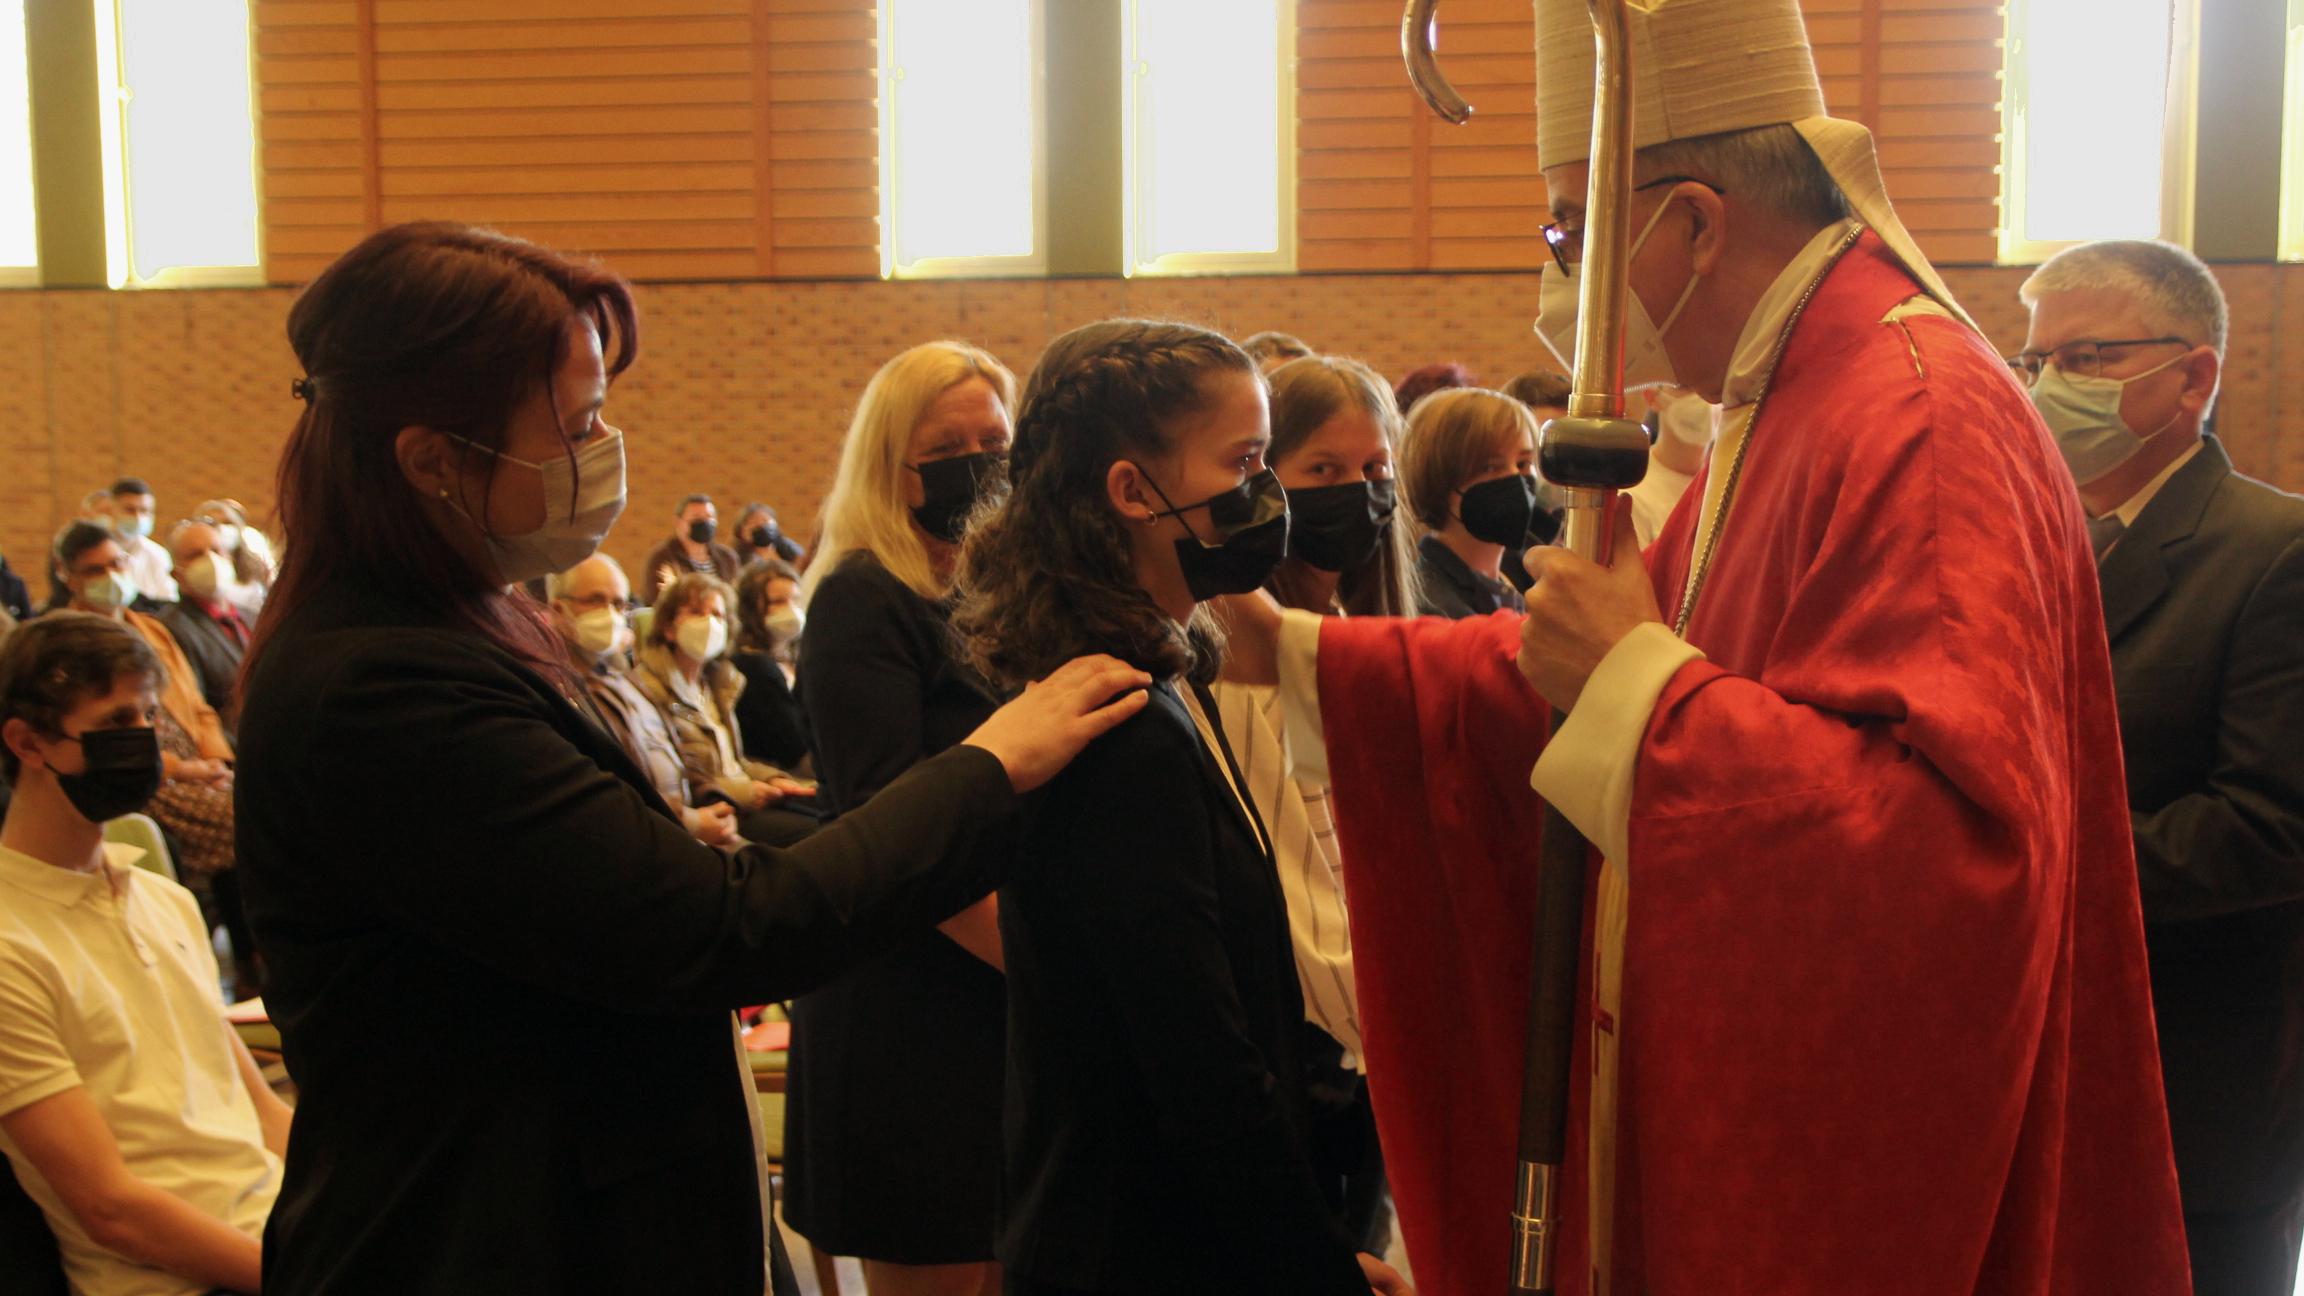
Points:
(1885, 1022)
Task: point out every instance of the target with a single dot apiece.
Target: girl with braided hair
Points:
(1155, 1132)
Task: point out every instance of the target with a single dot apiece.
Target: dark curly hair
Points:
(1047, 575)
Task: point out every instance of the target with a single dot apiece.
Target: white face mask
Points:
(596, 481)
(210, 577)
(2084, 413)
(702, 638)
(598, 631)
(786, 622)
(1645, 363)
(109, 591)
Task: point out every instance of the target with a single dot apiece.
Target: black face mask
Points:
(1337, 528)
(1499, 510)
(761, 537)
(702, 530)
(122, 773)
(950, 490)
(1249, 537)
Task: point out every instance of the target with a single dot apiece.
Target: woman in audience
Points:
(682, 666)
(911, 1186)
(1334, 433)
(1156, 1129)
(501, 968)
(768, 622)
(759, 537)
(1468, 468)
(251, 552)
(1427, 379)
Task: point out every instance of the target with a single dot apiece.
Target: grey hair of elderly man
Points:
(2173, 288)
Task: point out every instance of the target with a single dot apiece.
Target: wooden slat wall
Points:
(681, 139)
(731, 139)
(1382, 185)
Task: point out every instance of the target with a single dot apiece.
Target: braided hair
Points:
(1047, 574)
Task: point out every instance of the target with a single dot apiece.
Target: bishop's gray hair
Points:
(2171, 287)
(1769, 167)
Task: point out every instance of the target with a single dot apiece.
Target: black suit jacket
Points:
(503, 973)
(2204, 605)
(1154, 1127)
(213, 652)
(1451, 589)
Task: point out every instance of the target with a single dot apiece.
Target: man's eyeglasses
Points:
(1566, 241)
(2080, 358)
(594, 602)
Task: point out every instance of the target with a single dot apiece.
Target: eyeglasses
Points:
(1567, 242)
(594, 602)
(2080, 358)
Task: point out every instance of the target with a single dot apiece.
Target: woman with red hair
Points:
(501, 969)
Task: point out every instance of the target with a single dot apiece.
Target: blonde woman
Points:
(1335, 432)
(910, 1186)
(1468, 470)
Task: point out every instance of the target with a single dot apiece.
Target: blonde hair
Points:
(1306, 393)
(1450, 435)
(865, 513)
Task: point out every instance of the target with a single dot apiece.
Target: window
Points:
(19, 233)
(960, 138)
(2292, 151)
(180, 152)
(2088, 151)
(1210, 136)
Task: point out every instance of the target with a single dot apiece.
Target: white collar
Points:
(2128, 512)
(1757, 348)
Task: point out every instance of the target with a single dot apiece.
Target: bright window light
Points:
(2292, 165)
(1209, 135)
(960, 137)
(2088, 121)
(19, 234)
(187, 137)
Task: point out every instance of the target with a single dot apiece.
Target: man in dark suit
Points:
(2203, 580)
(205, 620)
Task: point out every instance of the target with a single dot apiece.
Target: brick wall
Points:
(744, 389)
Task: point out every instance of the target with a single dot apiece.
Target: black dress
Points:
(1155, 1131)
(503, 971)
(892, 1122)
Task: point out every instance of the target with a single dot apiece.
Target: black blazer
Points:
(503, 973)
(2204, 602)
(1451, 589)
(212, 650)
(1155, 1136)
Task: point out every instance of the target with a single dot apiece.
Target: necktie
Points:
(2103, 532)
(227, 618)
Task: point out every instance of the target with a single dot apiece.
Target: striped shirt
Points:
(1305, 850)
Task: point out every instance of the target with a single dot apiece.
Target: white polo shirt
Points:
(108, 983)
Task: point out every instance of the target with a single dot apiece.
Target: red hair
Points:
(445, 326)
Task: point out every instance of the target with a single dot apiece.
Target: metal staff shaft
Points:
(1591, 454)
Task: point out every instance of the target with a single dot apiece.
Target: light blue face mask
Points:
(2084, 414)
